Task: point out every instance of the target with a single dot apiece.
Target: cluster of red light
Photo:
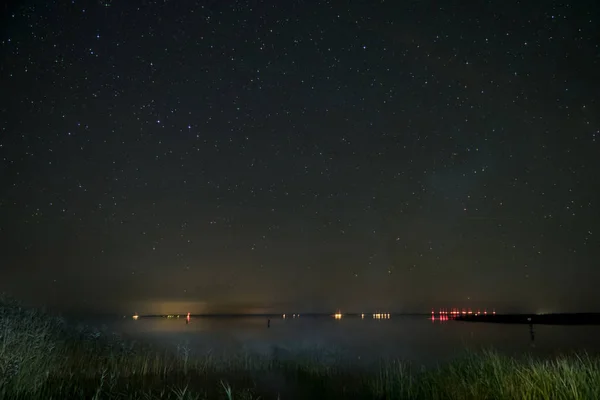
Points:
(443, 315)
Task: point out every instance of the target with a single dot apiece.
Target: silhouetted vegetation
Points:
(42, 357)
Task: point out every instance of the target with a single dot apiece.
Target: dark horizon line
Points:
(287, 315)
(299, 315)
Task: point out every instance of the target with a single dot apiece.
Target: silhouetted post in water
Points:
(531, 332)
(268, 323)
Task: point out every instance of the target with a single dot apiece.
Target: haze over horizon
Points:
(170, 307)
(300, 157)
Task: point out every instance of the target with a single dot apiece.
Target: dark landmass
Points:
(537, 319)
(273, 315)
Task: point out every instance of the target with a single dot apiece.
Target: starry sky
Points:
(263, 156)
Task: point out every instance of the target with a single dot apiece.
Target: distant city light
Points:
(381, 316)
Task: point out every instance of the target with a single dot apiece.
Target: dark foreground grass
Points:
(41, 357)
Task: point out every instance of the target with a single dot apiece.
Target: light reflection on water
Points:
(411, 338)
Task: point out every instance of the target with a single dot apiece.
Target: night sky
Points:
(296, 156)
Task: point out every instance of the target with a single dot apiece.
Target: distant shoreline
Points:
(524, 319)
(535, 319)
(281, 315)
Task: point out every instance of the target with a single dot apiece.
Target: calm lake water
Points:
(411, 338)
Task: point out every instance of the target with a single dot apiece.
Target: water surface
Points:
(411, 338)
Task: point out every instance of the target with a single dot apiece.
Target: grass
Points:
(42, 357)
